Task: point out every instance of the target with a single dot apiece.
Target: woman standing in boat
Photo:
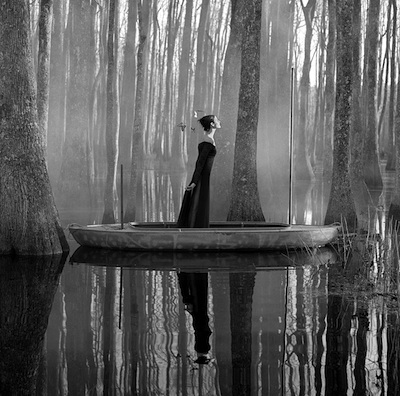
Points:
(195, 209)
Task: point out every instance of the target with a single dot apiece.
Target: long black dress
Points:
(195, 209)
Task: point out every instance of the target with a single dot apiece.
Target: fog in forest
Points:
(181, 65)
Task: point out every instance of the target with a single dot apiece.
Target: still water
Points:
(132, 324)
(103, 323)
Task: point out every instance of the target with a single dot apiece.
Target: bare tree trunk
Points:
(112, 125)
(372, 173)
(30, 223)
(357, 182)
(137, 137)
(341, 202)
(245, 202)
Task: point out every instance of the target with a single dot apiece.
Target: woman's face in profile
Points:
(217, 122)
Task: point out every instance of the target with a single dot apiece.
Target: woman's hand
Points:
(190, 187)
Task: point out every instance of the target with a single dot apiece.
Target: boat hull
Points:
(160, 237)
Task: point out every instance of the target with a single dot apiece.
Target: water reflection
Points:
(194, 290)
(27, 288)
(274, 324)
(127, 328)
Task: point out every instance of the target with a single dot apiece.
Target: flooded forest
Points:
(99, 108)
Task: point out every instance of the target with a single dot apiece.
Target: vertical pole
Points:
(122, 198)
(291, 121)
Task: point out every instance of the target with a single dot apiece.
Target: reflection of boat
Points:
(202, 261)
(220, 236)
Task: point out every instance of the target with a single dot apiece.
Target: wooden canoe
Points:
(221, 236)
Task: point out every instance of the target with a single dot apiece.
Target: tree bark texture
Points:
(330, 87)
(29, 219)
(245, 201)
(357, 182)
(341, 202)
(372, 175)
(43, 75)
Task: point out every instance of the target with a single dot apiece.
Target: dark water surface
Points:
(107, 323)
(130, 324)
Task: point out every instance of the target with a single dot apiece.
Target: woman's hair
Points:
(206, 122)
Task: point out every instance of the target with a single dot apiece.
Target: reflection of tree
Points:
(222, 331)
(359, 369)
(109, 332)
(27, 288)
(131, 333)
(337, 339)
(81, 373)
(393, 336)
(241, 294)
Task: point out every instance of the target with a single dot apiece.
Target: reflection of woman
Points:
(196, 201)
(194, 289)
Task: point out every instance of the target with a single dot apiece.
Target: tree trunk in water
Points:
(30, 223)
(245, 201)
(45, 23)
(341, 202)
(112, 124)
(75, 182)
(221, 181)
(137, 137)
(357, 182)
(372, 175)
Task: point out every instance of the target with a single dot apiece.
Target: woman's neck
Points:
(209, 137)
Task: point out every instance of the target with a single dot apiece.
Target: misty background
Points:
(170, 61)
